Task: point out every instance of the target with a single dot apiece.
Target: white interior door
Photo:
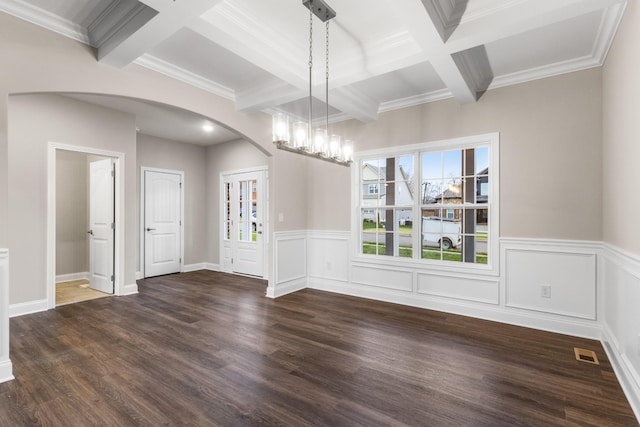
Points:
(162, 223)
(244, 222)
(101, 223)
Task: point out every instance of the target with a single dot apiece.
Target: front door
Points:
(243, 223)
(101, 223)
(162, 223)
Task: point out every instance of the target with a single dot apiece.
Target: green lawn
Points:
(447, 255)
(370, 227)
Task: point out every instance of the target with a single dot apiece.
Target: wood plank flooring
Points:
(208, 349)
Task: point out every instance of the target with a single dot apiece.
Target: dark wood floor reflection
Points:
(207, 348)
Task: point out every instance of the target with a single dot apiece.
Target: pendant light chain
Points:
(310, 72)
(326, 86)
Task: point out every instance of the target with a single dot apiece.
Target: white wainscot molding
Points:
(289, 263)
(485, 290)
(551, 277)
(6, 368)
(620, 293)
(328, 257)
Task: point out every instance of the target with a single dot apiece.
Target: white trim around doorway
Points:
(141, 258)
(118, 161)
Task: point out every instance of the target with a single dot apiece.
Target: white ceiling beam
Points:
(522, 16)
(137, 38)
(419, 23)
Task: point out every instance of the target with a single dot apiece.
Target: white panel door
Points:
(243, 222)
(162, 223)
(101, 223)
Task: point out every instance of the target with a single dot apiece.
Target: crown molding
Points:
(611, 18)
(170, 70)
(550, 70)
(412, 101)
(42, 18)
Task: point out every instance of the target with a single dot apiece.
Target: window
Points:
(435, 202)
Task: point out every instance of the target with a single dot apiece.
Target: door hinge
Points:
(180, 260)
(113, 225)
(231, 260)
(113, 278)
(180, 185)
(113, 172)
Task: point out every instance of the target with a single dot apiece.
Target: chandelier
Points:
(301, 138)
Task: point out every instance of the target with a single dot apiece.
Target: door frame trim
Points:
(141, 258)
(118, 261)
(265, 241)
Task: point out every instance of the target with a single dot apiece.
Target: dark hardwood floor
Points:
(207, 348)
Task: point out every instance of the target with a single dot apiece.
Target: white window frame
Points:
(491, 140)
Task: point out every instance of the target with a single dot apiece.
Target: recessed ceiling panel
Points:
(418, 79)
(563, 41)
(210, 61)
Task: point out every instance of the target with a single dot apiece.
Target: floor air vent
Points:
(587, 356)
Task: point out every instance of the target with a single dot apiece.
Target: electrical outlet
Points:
(545, 291)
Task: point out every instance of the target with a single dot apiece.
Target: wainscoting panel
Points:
(290, 263)
(329, 255)
(487, 291)
(621, 320)
(382, 277)
(6, 368)
(551, 279)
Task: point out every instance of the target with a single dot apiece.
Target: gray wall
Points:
(550, 154)
(191, 159)
(67, 121)
(621, 108)
(72, 213)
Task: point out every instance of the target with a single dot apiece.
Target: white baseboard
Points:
(6, 371)
(200, 266)
(286, 287)
(624, 371)
(73, 276)
(130, 289)
(29, 307)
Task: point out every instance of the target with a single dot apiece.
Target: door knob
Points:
(90, 232)
(150, 229)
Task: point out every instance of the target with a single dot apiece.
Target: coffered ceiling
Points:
(384, 54)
